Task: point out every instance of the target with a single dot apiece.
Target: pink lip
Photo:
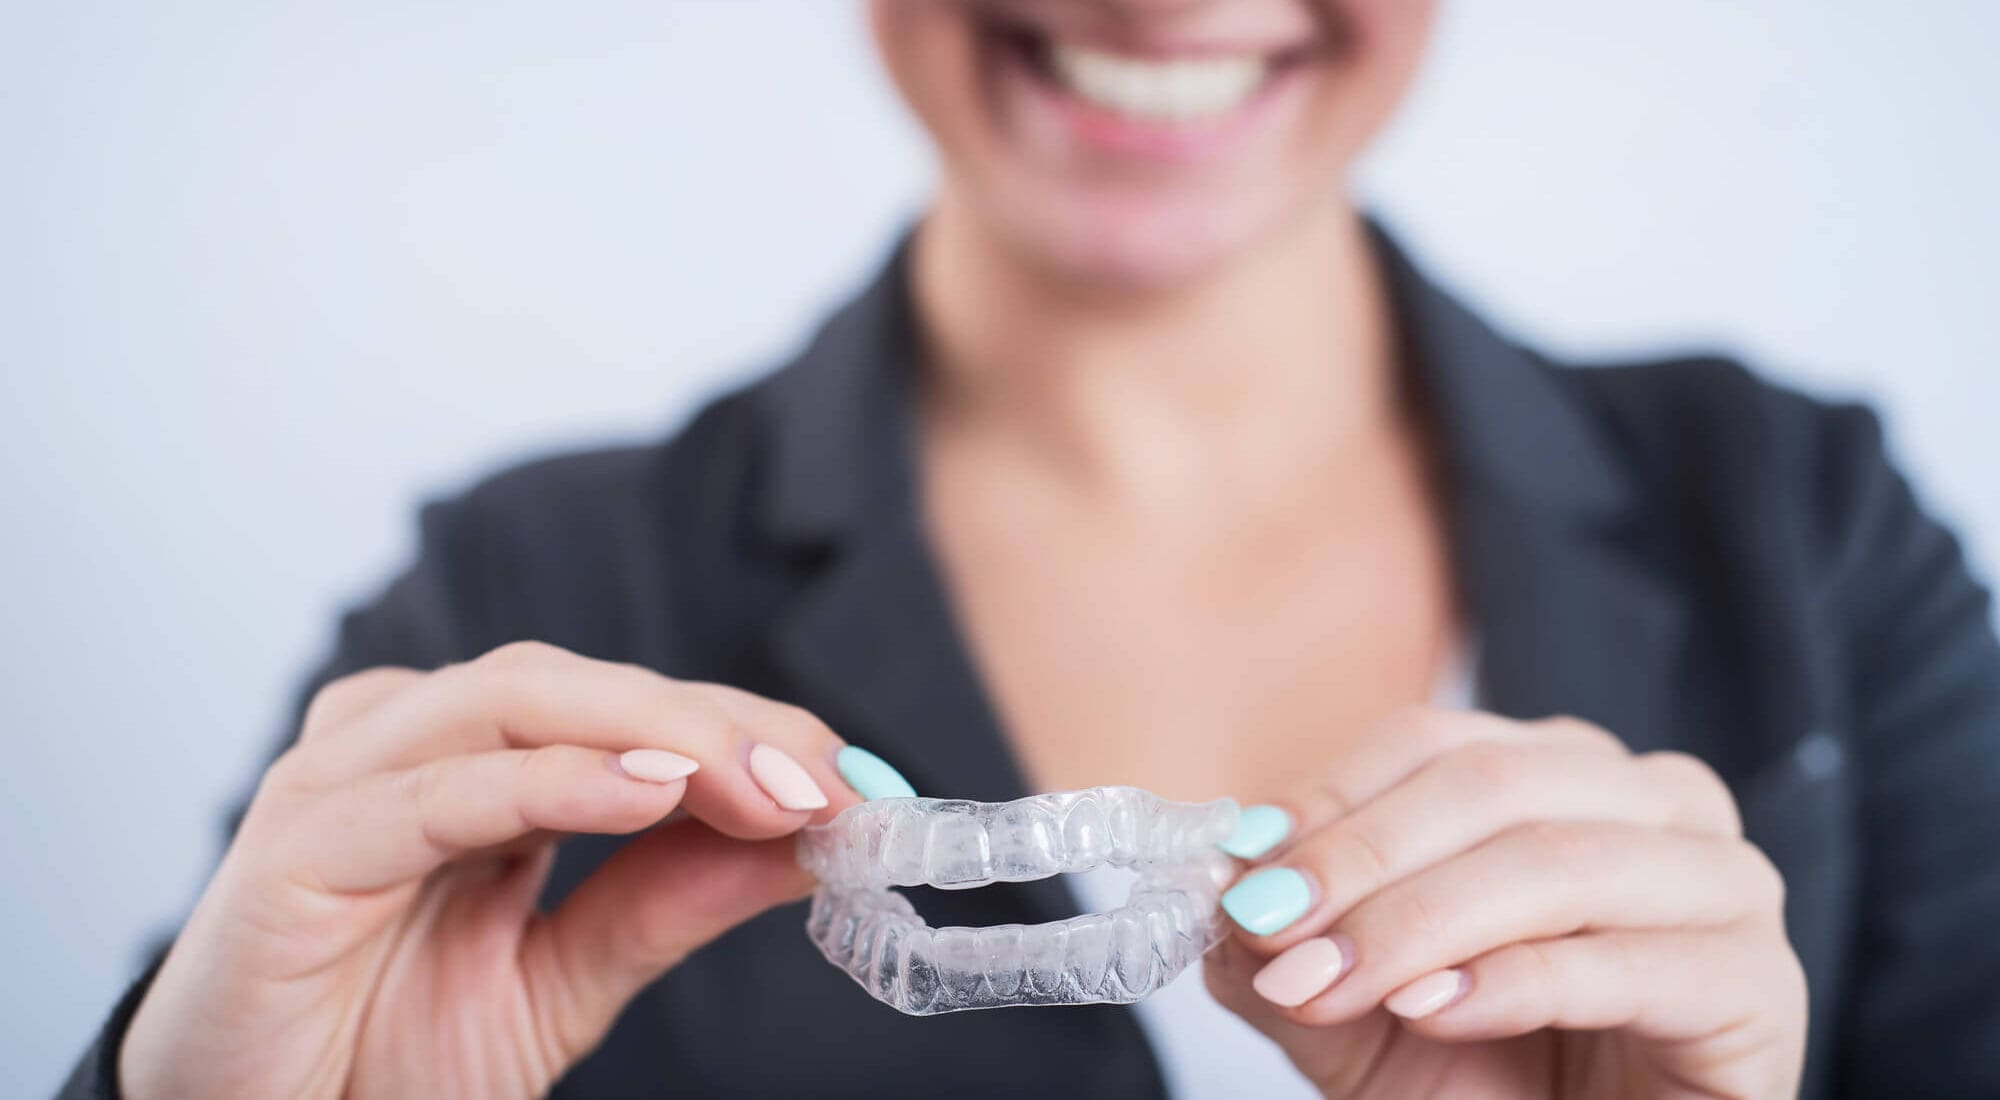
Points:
(1181, 142)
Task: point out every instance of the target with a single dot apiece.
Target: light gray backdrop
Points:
(271, 272)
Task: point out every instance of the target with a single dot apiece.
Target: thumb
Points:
(1336, 1058)
(662, 896)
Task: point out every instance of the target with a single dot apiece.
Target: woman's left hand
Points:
(1469, 906)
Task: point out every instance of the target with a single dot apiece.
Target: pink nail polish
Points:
(1302, 972)
(784, 780)
(656, 765)
(1427, 995)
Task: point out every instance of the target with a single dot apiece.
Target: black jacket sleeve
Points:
(432, 615)
(1922, 1017)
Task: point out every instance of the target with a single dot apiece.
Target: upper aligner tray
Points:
(957, 845)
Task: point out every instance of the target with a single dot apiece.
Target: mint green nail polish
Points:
(1269, 900)
(1258, 830)
(870, 775)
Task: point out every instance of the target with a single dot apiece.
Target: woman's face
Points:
(1139, 143)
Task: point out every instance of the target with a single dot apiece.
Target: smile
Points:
(1183, 89)
(1153, 99)
(871, 932)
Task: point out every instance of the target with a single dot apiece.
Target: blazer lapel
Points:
(1569, 618)
(1566, 624)
(869, 641)
(874, 642)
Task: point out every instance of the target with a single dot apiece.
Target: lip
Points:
(1016, 54)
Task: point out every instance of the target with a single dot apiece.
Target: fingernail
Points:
(1269, 900)
(1258, 830)
(1303, 972)
(1427, 995)
(870, 775)
(784, 780)
(656, 765)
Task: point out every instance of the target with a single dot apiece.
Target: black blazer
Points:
(1689, 556)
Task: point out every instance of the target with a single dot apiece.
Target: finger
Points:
(343, 700)
(1539, 882)
(396, 827)
(766, 767)
(1667, 986)
(1463, 798)
(1334, 1059)
(658, 899)
(1403, 743)
(1706, 802)
(528, 694)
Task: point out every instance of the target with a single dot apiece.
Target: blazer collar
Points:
(1568, 617)
(841, 417)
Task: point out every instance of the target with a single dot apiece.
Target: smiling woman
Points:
(1596, 730)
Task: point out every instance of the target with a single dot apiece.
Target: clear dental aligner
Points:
(867, 929)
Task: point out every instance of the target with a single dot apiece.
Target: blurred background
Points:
(270, 274)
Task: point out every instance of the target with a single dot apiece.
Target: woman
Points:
(1146, 461)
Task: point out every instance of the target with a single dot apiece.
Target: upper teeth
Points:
(1183, 88)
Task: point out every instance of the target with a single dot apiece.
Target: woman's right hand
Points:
(373, 929)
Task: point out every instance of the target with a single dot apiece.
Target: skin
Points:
(372, 930)
(1610, 932)
(1175, 488)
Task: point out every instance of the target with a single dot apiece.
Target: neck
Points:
(1278, 363)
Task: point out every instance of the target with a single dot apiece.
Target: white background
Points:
(270, 273)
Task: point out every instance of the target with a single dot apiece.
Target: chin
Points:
(1125, 242)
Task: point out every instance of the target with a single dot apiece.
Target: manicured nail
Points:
(656, 765)
(1302, 972)
(1258, 830)
(870, 775)
(1268, 901)
(1427, 995)
(784, 780)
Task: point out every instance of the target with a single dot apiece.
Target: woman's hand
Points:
(1469, 906)
(373, 929)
